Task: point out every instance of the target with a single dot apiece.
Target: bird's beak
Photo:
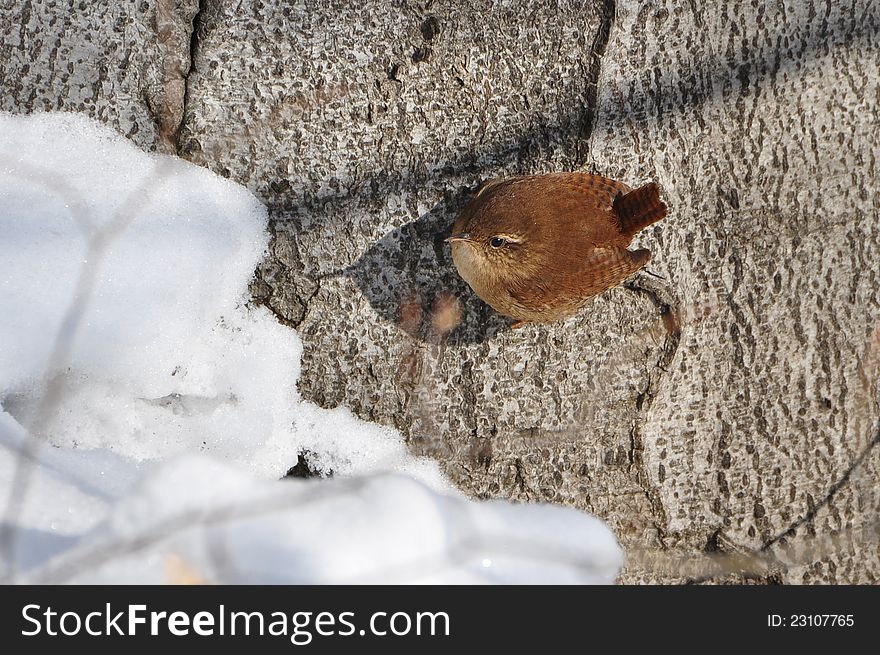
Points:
(461, 236)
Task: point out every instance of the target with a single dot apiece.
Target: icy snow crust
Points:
(123, 286)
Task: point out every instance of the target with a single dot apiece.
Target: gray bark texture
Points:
(722, 417)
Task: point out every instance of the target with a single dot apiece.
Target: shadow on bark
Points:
(409, 278)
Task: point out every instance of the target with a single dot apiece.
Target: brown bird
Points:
(536, 248)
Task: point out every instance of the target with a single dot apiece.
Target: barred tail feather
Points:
(639, 208)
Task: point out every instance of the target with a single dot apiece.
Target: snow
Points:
(127, 343)
(385, 528)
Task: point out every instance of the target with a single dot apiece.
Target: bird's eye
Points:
(497, 242)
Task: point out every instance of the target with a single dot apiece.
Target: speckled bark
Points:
(729, 406)
(761, 121)
(123, 62)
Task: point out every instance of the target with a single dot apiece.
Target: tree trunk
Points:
(722, 416)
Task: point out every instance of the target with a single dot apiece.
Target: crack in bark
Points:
(273, 273)
(195, 25)
(176, 24)
(644, 400)
(608, 14)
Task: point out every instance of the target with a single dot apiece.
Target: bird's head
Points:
(488, 239)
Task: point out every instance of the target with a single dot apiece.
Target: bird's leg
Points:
(518, 324)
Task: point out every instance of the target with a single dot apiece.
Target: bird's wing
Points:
(571, 281)
(579, 203)
(592, 191)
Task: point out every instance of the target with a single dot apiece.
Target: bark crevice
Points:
(608, 14)
(670, 329)
(195, 27)
(176, 35)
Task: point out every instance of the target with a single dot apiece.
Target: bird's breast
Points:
(480, 276)
(472, 268)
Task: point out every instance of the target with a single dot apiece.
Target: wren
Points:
(536, 248)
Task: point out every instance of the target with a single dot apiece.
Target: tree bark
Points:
(722, 417)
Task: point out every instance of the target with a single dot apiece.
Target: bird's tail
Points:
(639, 208)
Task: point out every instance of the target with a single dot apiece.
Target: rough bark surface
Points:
(723, 416)
(123, 63)
(761, 121)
